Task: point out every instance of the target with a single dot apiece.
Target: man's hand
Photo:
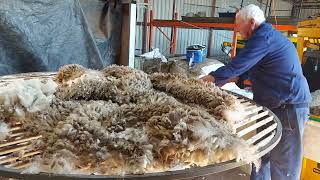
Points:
(235, 79)
(208, 78)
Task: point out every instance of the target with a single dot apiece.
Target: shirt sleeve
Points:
(255, 49)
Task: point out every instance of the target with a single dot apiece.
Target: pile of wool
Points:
(61, 162)
(315, 98)
(315, 103)
(115, 83)
(26, 95)
(4, 130)
(208, 96)
(121, 121)
(315, 110)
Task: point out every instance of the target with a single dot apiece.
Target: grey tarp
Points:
(43, 35)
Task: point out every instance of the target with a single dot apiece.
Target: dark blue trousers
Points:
(285, 160)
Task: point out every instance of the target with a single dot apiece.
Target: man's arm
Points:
(256, 48)
(209, 78)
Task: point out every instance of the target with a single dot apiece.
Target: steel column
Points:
(173, 44)
(234, 41)
(173, 29)
(145, 28)
(151, 30)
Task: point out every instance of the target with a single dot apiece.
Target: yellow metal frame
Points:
(228, 44)
(293, 39)
(308, 36)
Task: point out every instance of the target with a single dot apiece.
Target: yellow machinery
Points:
(310, 167)
(229, 44)
(308, 36)
(310, 170)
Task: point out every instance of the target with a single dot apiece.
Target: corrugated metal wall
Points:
(309, 12)
(163, 10)
(186, 37)
(305, 9)
(219, 36)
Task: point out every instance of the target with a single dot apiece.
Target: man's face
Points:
(245, 28)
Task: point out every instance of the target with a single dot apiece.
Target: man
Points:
(277, 83)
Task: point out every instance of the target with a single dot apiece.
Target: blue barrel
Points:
(197, 53)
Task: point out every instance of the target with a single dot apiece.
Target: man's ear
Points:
(252, 24)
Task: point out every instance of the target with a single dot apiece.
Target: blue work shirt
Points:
(274, 69)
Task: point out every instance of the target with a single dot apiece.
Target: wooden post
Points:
(128, 35)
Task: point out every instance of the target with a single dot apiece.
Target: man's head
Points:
(248, 19)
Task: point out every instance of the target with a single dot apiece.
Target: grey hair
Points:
(252, 12)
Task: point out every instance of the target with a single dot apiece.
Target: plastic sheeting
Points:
(43, 35)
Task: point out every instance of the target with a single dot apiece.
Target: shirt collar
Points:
(265, 26)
